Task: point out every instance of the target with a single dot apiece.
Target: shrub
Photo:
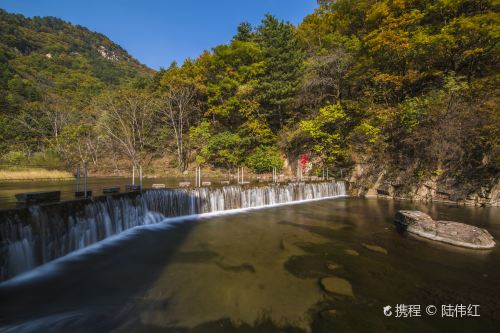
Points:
(48, 159)
(224, 150)
(14, 157)
(264, 159)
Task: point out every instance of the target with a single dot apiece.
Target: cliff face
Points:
(369, 180)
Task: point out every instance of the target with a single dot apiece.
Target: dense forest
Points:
(400, 89)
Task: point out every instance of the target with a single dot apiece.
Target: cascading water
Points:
(52, 233)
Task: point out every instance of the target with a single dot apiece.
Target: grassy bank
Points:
(33, 174)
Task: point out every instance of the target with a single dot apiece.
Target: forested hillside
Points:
(415, 84)
(49, 72)
(395, 92)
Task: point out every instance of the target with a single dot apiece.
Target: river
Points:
(260, 271)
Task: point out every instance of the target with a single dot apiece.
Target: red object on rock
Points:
(304, 158)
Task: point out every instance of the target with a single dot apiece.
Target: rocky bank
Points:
(367, 180)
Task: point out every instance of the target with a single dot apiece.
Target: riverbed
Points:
(261, 271)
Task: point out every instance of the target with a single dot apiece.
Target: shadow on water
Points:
(91, 291)
(221, 326)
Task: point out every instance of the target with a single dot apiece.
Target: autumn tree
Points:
(326, 76)
(179, 106)
(127, 119)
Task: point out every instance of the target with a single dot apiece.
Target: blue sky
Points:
(159, 32)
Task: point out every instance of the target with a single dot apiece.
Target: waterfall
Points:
(54, 231)
(20, 253)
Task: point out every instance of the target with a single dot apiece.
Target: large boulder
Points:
(455, 233)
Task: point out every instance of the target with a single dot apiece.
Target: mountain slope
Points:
(56, 40)
(46, 62)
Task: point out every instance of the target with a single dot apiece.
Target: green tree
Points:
(245, 32)
(224, 150)
(328, 134)
(283, 70)
(264, 159)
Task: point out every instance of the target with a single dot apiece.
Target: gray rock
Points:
(454, 233)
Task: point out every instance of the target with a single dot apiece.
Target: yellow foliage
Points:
(384, 78)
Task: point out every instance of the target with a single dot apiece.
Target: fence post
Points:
(140, 177)
(198, 176)
(78, 178)
(85, 175)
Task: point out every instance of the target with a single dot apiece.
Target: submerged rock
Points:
(351, 252)
(245, 267)
(332, 265)
(329, 313)
(285, 245)
(454, 233)
(374, 248)
(336, 285)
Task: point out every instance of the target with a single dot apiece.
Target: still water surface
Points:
(95, 184)
(260, 271)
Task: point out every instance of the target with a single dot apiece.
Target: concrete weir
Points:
(38, 234)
